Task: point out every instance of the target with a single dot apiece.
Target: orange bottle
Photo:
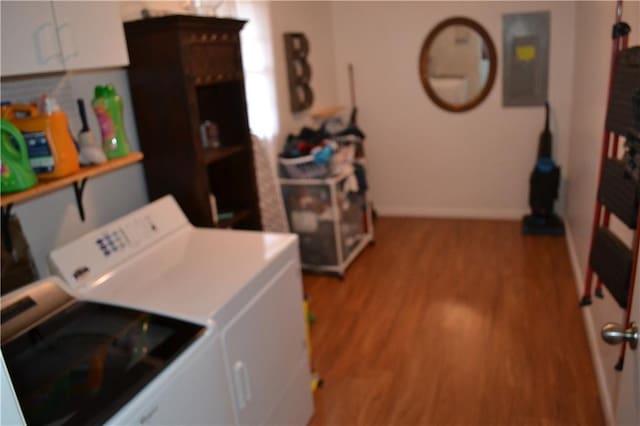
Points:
(12, 112)
(52, 153)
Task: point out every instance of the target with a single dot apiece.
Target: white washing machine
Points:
(74, 362)
(246, 285)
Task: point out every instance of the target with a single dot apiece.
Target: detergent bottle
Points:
(52, 153)
(16, 173)
(12, 112)
(109, 111)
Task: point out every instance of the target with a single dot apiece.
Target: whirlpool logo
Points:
(81, 273)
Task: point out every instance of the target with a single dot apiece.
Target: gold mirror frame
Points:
(423, 64)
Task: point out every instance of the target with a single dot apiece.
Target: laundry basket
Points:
(304, 168)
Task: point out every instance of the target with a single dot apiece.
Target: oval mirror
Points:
(458, 64)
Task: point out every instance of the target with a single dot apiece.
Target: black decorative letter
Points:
(299, 71)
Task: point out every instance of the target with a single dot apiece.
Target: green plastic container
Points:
(109, 110)
(15, 170)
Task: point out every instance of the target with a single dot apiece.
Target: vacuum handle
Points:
(546, 123)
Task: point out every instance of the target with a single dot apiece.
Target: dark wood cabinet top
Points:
(184, 22)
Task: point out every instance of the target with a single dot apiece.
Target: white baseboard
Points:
(450, 213)
(593, 334)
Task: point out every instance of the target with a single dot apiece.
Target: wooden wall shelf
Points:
(328, 112)
(45, 187)
(77, 179)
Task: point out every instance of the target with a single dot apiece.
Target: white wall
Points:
(265, 64)
(131, 9)
(426, 161)
(592, 51)
(315, 19)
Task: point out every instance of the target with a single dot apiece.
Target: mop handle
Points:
(352, 88)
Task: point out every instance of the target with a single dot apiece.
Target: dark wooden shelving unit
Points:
(238, 217)
(212, 155)
(185, 70)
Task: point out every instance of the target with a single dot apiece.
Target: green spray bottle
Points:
(109, 110)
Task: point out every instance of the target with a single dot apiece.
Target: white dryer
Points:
(246, 284)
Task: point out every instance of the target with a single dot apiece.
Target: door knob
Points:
(614, 334)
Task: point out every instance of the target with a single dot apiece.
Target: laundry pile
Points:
(316, 143)
(319, 153)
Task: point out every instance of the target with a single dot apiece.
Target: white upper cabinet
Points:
(45, 36)
(91, 34)
(29, 38)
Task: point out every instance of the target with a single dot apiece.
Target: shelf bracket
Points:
(78, 189)
(6, 235)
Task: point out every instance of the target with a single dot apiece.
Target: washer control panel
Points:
(130, 234)
(111, 243)
(83, 261)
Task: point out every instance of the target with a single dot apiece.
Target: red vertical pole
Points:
(597, 214)
(623, 43)
(634, 267)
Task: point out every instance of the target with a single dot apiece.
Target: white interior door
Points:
(29, 38)
(628, 409)
(265, 343)
(91, 34)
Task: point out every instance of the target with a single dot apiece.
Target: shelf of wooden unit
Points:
(211, 155)
(238, 216)
(45, 187)
(327, 112)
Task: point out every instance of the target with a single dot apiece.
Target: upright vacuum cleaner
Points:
(543, 190)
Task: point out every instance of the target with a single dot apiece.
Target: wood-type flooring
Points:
(452, 322)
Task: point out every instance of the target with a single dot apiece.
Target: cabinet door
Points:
(91, 34)
(265, 343)
(29, 39)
